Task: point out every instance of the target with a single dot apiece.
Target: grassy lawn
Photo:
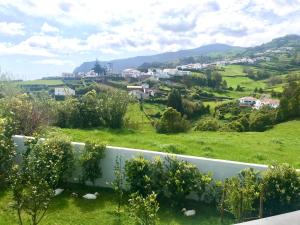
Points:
(67, 210)
(42, 82)
(278, 144)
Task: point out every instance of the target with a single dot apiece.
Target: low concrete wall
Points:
(220, 169)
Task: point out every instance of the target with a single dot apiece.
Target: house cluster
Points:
(244, 60)
(156, 73)
(141, 92)
(258, 103)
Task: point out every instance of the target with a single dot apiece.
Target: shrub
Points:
(56, 154)
(144, 176)
(33, 180)
(175, 100)
(30, 113)
(118, 182)
(194, 109)
(171, 122)
(281, 189)
(208, 124)
(241, 193)
(181, 179)
(236, 126)
(7, 148)
(90, 161)
(261, 120)
(94, 110)
(144, 210)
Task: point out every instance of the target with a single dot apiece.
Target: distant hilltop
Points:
(212, 50)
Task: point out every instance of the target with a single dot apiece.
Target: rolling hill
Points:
(120, 64)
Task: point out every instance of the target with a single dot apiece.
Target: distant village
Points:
(144, 92)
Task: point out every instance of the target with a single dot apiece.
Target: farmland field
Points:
(42, 82)
(281, 143)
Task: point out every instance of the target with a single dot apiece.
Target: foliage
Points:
(98, 69)
(175, 100)
(144, 210)
(33, 180)
(113, 108)
(171, 122)
(281, 189)
(7, 148)
(30, 112)
(208, 124)
(262, 120)
(118, 182)
(194, 109)
(90, 161)
(144, 176)
(290, 102)
(94, 110)
(181, 179)
(241, 193)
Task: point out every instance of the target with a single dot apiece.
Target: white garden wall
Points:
(220, 169)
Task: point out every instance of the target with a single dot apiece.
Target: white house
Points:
(272, 103)
(131, 73)
(64, 91)
(247, 101)
(141, 92)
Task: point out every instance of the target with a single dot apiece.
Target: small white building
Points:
(141, 92)
(64, 91)
(272, 103)
(131, 73)
(247, 101)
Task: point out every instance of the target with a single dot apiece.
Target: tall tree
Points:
(175, 100)
(97, 68)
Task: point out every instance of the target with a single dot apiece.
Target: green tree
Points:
(175, 100)
(181, 179)
(7, 148)
(34, 178)
(171, 122)
(90, 161)
(144, 210)
(242, 192)
(98, 69)
(118, 183)
(281, 189)
(290, 101)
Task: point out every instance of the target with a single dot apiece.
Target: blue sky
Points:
(41, 38)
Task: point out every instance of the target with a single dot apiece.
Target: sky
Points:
(45, 38)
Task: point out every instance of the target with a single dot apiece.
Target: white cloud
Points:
(12, 28)
(57, 62)
(120, 27)
(46, 28)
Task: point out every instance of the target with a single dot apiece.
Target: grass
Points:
(43, 82)
(68, 210)
(280, 143)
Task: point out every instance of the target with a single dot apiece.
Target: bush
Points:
(194, 109)
(90, 161)
(7, 148)
(30, 113)
(281, 188)
(33, 180)
(181, 179)
(144, 176)
(236, 126)
(208, 124)
(242, 192)
(94, 110)
(55, 153)
(171, 122)
(144, 210)
(261, 120)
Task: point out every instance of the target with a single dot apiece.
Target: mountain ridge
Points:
(292, 40)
